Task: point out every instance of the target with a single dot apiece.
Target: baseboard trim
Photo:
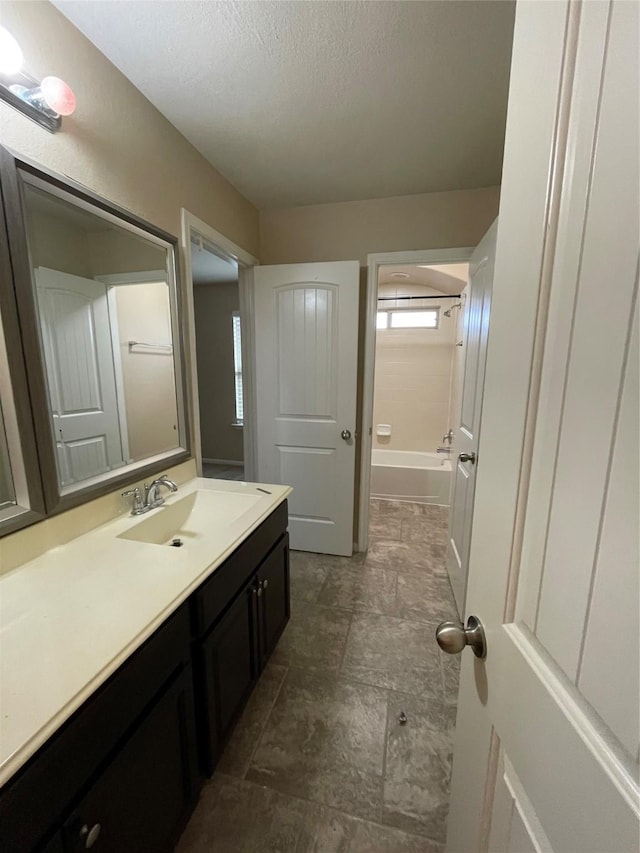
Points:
(238, 463)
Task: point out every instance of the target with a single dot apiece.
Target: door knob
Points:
(452, 637)
(467, 457)
(345, 434)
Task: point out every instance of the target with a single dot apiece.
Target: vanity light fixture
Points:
(43, 102)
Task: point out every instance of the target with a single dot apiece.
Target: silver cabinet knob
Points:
(345, 434)
(89, 836)
(265, 583)
(467, 457)
(452, 637)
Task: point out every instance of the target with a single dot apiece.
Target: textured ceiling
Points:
(310, 102)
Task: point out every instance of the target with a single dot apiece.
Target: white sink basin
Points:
(194, 517)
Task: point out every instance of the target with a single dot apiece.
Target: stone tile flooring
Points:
(319, 761)
(219, 471)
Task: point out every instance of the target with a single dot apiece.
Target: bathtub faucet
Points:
(443, 449)
(448, 437)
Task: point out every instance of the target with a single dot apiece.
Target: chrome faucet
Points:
(443, 449)
(448, 437)
(137, 505)
(152, 497)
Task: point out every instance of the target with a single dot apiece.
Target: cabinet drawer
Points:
(31, 803)
(142, 799)
(215, 594)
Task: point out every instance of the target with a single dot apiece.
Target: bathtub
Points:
(405, 475)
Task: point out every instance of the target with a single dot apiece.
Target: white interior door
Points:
(78, 353)
(306, 341)
(464, 450)
(547, 740)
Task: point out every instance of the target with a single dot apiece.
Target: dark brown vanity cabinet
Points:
(123, 774)
(141, 800)
(235, 643)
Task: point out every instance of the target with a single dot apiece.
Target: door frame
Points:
(374, 262)
(191, 225)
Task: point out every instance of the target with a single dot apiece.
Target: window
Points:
(424, 319)
(237, 366)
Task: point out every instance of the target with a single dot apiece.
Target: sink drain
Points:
(177, 543)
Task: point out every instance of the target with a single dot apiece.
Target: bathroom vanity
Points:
(126, 663)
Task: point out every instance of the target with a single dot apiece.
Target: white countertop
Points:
(71, 617)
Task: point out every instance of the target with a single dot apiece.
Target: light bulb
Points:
(58, 96)
(10, 54)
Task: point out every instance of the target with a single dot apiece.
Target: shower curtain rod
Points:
(398, 298)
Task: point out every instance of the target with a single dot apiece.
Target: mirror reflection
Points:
(7, 491)
(105, 298)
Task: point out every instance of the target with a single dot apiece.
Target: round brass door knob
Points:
(452, 637)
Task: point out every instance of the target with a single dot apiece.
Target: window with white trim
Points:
(427, 318)
(237, 367)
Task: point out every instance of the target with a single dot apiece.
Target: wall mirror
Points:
(99, 310)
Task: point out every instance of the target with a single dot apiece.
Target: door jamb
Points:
(374, 262)
(189, 223)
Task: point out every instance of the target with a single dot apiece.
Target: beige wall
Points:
(148, 377)
(116, 143)
(412, 385)
(214, 305)
(353, 229)
(114, 252)
(58, 245)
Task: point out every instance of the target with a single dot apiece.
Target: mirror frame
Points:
(21, 408)
(12, 167)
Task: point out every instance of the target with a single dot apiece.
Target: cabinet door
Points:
(142, 800)
(273, 591)
(55, 845)
(229, 668)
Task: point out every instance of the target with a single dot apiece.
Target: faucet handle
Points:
(137, 499)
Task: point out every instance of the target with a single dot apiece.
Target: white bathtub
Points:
(405, 475)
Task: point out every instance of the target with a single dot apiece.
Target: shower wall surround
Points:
(412, 387)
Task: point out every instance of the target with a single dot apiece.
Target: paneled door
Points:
(76, 337)
(465, 441)
(547, 737)
(306, 346)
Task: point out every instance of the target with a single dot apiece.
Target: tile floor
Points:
(222, 472)
(319, 761)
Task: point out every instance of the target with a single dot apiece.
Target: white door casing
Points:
(467, 430)
(306, 337)
(546, 752)
(76, 337)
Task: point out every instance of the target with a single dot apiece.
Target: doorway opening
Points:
(417, 378)
(216, 300)
(412, 378)
(220, 334)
